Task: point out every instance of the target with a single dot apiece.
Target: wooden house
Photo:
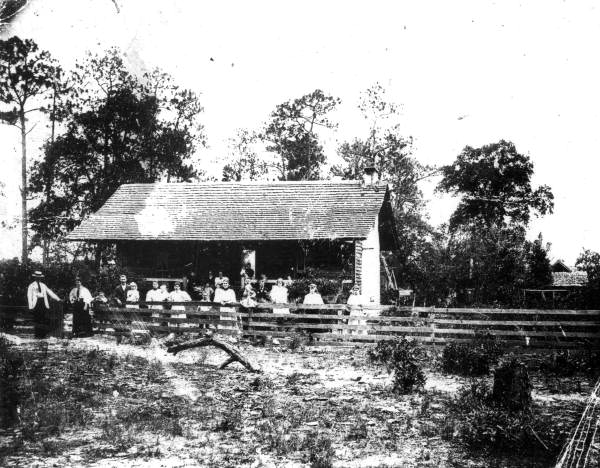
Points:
(335, 229)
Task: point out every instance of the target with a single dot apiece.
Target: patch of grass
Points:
(230, 420)
(320, 450)
(261, 383)
(279, 437)
(119, 436)
(358, 431)
(293, 379)
(155, 372)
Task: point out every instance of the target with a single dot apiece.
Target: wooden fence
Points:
(340, 324)
(19, 319)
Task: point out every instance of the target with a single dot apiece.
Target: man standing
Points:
(119, 295)
(193, 286)
(80, 299)
(262, 291)
(37, 299)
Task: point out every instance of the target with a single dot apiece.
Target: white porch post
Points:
(370, 265)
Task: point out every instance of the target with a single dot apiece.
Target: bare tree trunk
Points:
(45, 241)
(23, 187)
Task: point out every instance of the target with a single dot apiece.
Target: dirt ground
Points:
(95, 403)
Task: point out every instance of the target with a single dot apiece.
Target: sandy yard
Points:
(133, 405)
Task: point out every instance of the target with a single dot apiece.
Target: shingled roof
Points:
(236, 211)
(569, 279)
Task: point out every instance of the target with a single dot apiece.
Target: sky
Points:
(464, 73)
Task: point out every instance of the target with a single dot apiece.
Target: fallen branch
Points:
(538, 437)
(234, 353)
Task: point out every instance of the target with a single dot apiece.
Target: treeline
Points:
(108, 125)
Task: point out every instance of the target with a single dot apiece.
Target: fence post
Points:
(432, 317)
(57, 319)
(249, 325)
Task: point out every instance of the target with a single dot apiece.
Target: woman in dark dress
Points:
(80, 299)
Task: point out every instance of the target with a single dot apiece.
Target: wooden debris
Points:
(234, 353)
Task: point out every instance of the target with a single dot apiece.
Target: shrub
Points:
(296, 343)
(481, 423)
(568, 363)
(473, 359)
(402, 358)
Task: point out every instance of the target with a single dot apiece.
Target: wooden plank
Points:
(499, 311)
(517, 323)
(271, 305)
(118, 312)
(340, 326)
(532, 343)
(509, 345)
(109, 327)
(529, 333)
(333, 317)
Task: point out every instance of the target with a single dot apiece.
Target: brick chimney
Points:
(370, 176)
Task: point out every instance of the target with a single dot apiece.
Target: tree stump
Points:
(512, 387)
(235, 355)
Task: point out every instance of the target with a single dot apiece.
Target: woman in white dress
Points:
(279, 295)
(133, 296)
(248, 295)
(179, 295)
(355, 300)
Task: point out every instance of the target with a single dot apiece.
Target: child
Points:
(133, 295)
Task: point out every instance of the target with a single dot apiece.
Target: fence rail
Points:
(341, 324)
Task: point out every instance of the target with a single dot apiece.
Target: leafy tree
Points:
(539, 270)
(292, 135)
(589, 261)
(243, 161)
(494, 183)
(118, 129)
(489, 257)
(391, 154)
(26, 74)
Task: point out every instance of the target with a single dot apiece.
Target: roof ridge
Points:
(273, 182)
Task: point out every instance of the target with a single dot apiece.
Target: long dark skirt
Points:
(41, 319)
(82, 322)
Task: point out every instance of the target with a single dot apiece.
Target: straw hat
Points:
(37, 274)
